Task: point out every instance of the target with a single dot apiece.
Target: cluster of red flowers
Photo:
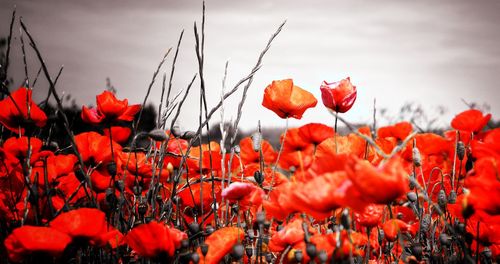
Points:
(390, 195)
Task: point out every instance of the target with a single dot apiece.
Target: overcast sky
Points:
(431, 52)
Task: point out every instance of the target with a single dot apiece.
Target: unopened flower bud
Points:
(452, 198)
(442, 200)
(298, 255)
(311, 250)
(256, 141)
(259, 178)
(238, 251)
(417, 159)
(444, 239)
(176, 131)
(157, 135)
(204, 249)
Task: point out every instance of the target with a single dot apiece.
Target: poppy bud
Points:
(249, 251)
(416, 250)
(452, 198)
(298, 255)
(460, 150)
(120, 185)
(257, 175)
(188, 135)
(176, 131)
(111, 167)
(53, 146)
(195, 257)
(209, 229)
(250, 233)
(442, 200)
(417, 159)
(444, 239)
(412, 197)
(460, 227)
(238, 251)
(237, 149)
(204, 249)
(235, 208)
(323, 256)
(157, 135)
(269, 258)
(137, 190)
(184, 243)
(194, 228)
(256, 141)
(311, 250)
(142, 209)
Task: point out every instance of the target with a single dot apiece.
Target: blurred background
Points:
(420, 59)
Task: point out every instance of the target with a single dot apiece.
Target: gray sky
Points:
(430, 52)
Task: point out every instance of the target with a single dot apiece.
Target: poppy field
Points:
(116, 193)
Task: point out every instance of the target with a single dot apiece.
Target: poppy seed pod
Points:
(194, 228)
(142, 209)
(444, 239)
(345, 220)
(209, 229)
(238, 251)
(323, 256)
(460, 150)
(176, 131)
(269, 258)
(298, 255)
(261, 217)
(157, 135)
(188, 135)
(204, 249)
(249, 251)
(426, 223)
(412, 197)
(416, 250)
(120, 185)
(417, 159)
(311, 250)
(195, 257)
(256, 141)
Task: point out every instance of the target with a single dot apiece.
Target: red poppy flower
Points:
(338, 96)
(370, 216)
(220, 243)
(315, 133)
(484, 179)
(14, 111)
(292, 233)
(33, 239)
(470, 120)
(322, 194)
(151, 240)
(237, 191)
(112, 238)
(191, 204)
(400, 131)
(489, 146)
(380, 185)
(287, 100)
(109, 109)
(250, 169)
(394, 226)
(87, 223)
(18, 147)
(119, 134)
(248, 155)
